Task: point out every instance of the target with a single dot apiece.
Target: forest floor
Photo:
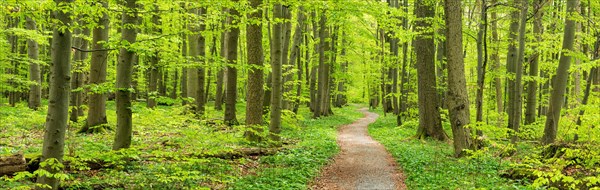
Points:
(363, 163)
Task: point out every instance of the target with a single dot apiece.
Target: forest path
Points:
(362, 164)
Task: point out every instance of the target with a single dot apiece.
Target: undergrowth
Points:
(169, 150)
(429, 164)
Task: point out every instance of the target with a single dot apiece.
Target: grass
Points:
(164, 142)
(429, 164)
(294, 168)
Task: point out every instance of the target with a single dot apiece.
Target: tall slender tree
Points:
(531, 105)
(559, 84)
(154, 70)
(511, 63)
(200, 52)
(458, 100)
(277, 55)
(98, 64)
(35, 89)
(232, 53)
(58, 106)
(255, 91)
(124, 67)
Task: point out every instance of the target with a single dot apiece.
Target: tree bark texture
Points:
(255, 90)
(511, 63)
(58, 103)
(201, 60)
(559, 85)
(124, 67)
(35, 90)
(277, 46)
(430, 123)
(98, 66)
(531, 106)
(458, 100)
(232, 53)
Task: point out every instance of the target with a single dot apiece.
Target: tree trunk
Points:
(200, 56)
(220, 92)
(231, 91)
(58, 104)
(295, 61)
(404, 75)
(531, 105)
(79, 79)
(97, 99)
(313, 69)
(255, 93)
(35, 90)
(123, 95)
(511, 63)
(430, 123)
(173, 94)
(458, 100)
(184, 53)
(12, 164)
(154, 80)
(287, 66)
(14, 46)
(497, 65)
(277, 49)
(518, 89)
(192, 70)
(322, 106)
(481, 61)
(559, 82)
(341, 86)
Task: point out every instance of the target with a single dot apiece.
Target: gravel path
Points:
(362, 164)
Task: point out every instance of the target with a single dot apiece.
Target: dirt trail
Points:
(362, 164)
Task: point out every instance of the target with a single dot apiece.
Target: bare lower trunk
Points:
(277, 46)
(497, 65)
(255, 90)
(200, 54)
(458, 100)
(532, 85)
(124, 67)
(232, 52)
(511, 62)
(430, 123)
(562, 75)
(97, 99)
(58, 106)
(35, 89)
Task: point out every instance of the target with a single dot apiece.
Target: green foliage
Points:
(430, 164)
(295, 167)
(170, 147)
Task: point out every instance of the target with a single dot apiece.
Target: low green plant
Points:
(429, 164)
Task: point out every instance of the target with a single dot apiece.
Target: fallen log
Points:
(18, 163)
(12, 164)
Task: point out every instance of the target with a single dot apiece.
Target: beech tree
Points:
(430, 124)
(58, 107)
(255, 91)
(559, 85)
(231, 75)
(124, 67)
(458, 100)
(98, 65)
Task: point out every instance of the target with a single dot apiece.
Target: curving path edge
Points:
(362, 163)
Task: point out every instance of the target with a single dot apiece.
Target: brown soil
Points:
(362, 164)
